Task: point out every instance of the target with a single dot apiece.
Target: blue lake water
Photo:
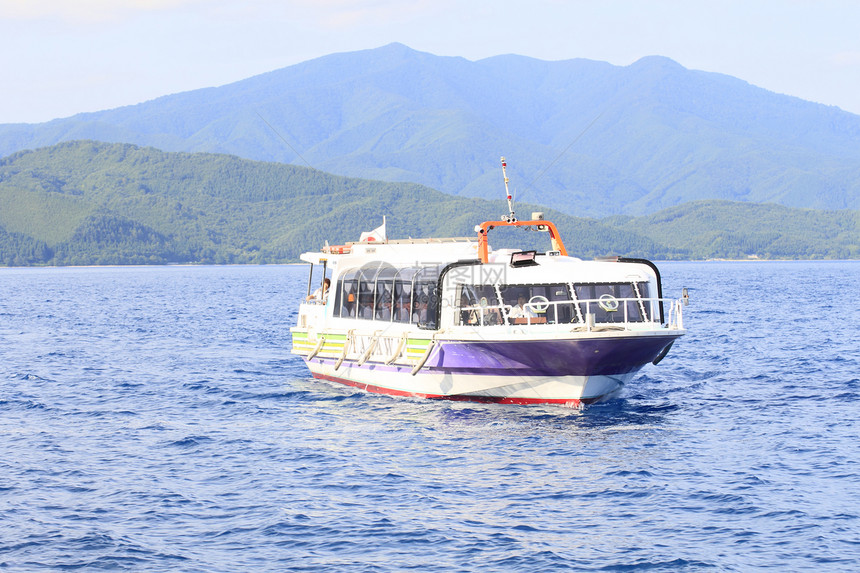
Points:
(152, 419)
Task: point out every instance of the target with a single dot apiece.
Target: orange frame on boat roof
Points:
(485, 227)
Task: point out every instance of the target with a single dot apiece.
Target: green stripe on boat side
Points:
(416, 346)
(334, 343)
(342, 338)
(328, 337)
(332, 337)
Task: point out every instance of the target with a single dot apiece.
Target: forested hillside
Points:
(87, 203)
(589, 138)
(96, 203)
(726, 229)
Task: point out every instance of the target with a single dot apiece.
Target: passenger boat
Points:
(455, 319)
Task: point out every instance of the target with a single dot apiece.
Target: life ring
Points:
(538, 303)
(608, 302)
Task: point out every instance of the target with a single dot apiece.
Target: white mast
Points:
(510, 217)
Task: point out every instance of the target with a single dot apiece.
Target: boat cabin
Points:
(387, 287)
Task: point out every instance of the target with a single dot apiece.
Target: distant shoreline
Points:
(657, 261)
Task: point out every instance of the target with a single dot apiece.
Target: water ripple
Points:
(153, 419)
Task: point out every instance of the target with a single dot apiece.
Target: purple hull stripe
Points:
(610, 356)
(550, 357)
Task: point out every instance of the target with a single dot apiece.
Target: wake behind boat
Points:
(454, 319)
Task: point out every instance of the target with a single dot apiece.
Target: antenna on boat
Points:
(510, 217)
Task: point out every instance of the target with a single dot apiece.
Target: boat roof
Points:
(401, 251)
(412, 252)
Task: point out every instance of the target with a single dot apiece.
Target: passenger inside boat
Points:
(321, 293)
(521, 309)
(476, 308)
(381, 292)
(420, 314)
(467, 315)
(402, 313)
(490, 315)
(365, 302)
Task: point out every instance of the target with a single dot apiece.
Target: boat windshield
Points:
(560, 303)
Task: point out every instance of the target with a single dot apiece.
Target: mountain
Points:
(88, 202)
(586, 137)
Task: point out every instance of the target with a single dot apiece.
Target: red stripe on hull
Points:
(569, 402)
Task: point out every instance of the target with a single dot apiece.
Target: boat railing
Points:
(676, 313)
(586, 314)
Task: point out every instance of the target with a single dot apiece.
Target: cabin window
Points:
(562, 311)
(345, 295)
(365, 292)
(634, 293)
(365, 299)
(403, 294)
(378, 291)
(479, 306)
(424, 297)
(530, 304)
(382, 304)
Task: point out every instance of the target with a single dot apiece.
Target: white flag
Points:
(378, 234)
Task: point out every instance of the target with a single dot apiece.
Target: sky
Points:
(62, 57)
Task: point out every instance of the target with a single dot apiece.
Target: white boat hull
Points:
(569, 372)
